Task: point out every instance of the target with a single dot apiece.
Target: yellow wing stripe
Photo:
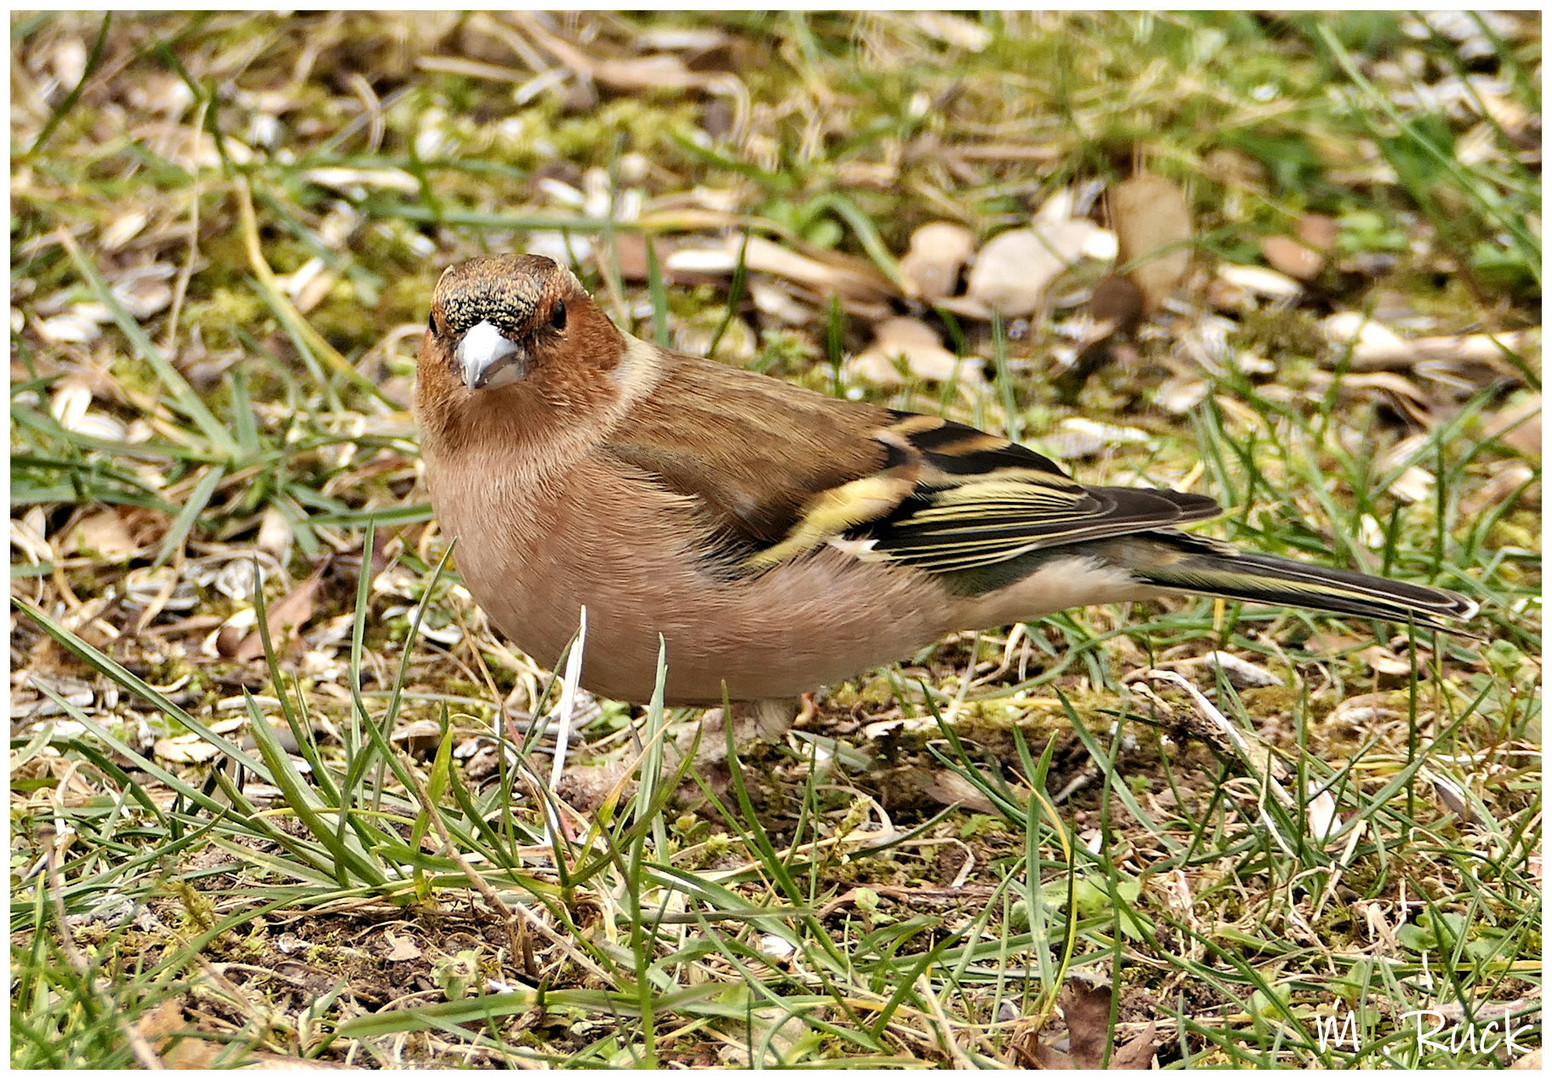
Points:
(835, 511)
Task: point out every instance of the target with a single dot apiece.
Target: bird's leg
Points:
(754, 723)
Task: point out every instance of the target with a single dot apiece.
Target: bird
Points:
(773, 539)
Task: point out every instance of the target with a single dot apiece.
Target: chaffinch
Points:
(777, 539)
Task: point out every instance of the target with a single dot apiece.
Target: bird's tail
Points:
(1224, 571)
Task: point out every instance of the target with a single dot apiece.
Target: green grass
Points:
(349, 848)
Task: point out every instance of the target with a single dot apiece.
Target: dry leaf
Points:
(1137, 1052)
(1292, 257)
(1080, 437)
(162, 1030)
(1385, 662)
(107, 534)
(122, 229)
(684, 39)
(1330, 642)
(718, 261)
(1382, 348)
(899, 726)
(286, 618)
(954, 30)
(1517, 425)
(1152, 222)
(1452, 795)
(832, 272)
(917, 344)
(588, 787)
(185, 749)
(1013, 269)
(309, 285)
(1415, 483)
(1406, 395)
(67, 330)
(1115, 308)
(419, 737)
(1241, 673)
(778, 303)
(1179, 394)
(274, 533)
(144, 290)
(950, 788)
(1117, 303)
(193, 749)
(356, 181)
(1320, 813)
(1508, 477)
(259, 1061)
(1087, 1012)
(937, 254)
(194, 1043)
(1259, 281)
(630, 256)
(1366, 712)
(1351, 329)
(1318, 231)
(401, 948)
(656, 72)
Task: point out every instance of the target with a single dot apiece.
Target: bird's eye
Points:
(558, 317)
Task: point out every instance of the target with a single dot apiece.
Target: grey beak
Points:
(489, 358)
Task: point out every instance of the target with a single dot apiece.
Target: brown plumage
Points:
(776, 538)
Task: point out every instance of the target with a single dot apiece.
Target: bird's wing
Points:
(954, 499)
(751, 452)
(792, 472)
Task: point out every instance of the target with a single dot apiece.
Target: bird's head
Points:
(523, 321)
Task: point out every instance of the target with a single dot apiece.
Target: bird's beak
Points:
(489, 358)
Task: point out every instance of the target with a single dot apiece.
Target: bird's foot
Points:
(755, 725)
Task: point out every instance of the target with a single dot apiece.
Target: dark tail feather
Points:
(1263, 579)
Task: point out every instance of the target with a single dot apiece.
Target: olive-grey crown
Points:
(514, 293)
